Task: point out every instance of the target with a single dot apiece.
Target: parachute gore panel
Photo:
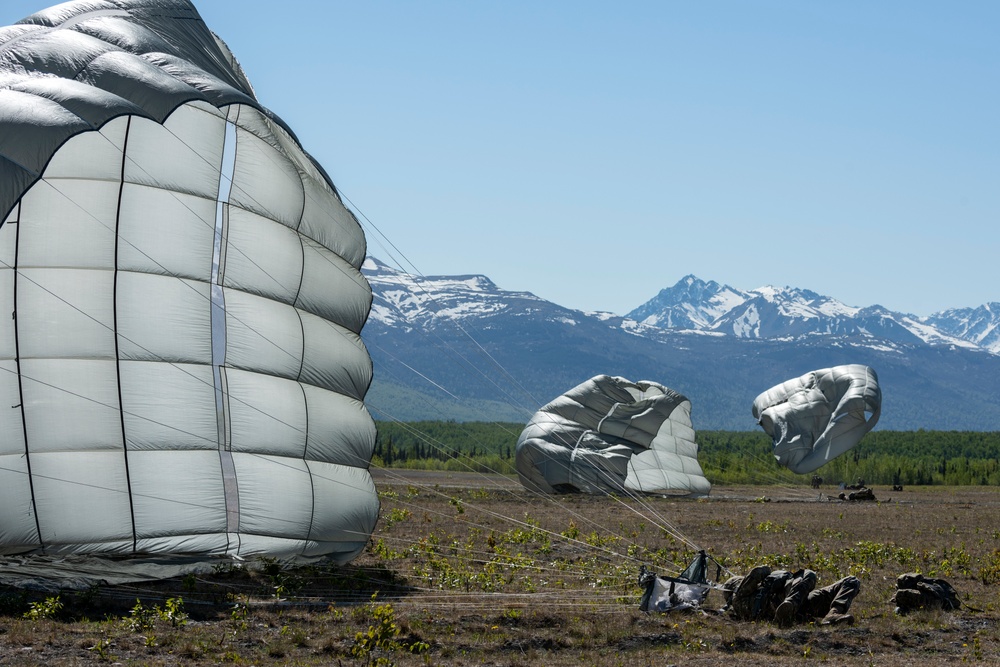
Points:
(612, 435)
(183, 373)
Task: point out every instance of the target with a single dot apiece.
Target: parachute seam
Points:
(312, 483)
(118, 363)
(302, 355)
(135, 111)
(20, 384)
(454, 321)
(249, 196)
(70, 25)
(312, 507)
(177, 364)
(302, 271)
(230, 481)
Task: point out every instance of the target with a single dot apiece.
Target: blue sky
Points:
(594, 153)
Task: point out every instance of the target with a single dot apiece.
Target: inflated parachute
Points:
(819, 416)
(612, 435)
(181, 371)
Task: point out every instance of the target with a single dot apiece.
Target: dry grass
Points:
(470, 570)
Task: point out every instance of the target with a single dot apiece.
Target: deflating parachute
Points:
(611, 435)
(183, 372)
(819, 416)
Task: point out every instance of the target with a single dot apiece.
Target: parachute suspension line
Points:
(20, 379)
(780, 479)
(230, 485)
(275, 517)
(663, 525)
(118, 358)
(659, 521)
(439, 447)
(258, 409)
(460, 360)
(605, 551)
(414, 371)
(545, 497)
(221, 248)
(496, 515)
(656, 519)
(650, 514)
(513, 380)
(613, 481)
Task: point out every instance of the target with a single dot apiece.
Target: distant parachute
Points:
(612, 435)
(183, 372)
(819, 416)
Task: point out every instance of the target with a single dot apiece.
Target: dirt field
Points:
(468, 569)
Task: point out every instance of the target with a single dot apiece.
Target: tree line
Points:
(952, 458)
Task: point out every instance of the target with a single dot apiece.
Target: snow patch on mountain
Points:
(747, 324)
(400, 298)
(691, 306)
(932, 335)
(979, 325)
(692, 303)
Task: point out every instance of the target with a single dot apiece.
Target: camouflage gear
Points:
(861, 494)
(785, 597)
(914, 591)
(742, 592)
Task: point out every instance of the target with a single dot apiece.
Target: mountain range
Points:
(460, 348)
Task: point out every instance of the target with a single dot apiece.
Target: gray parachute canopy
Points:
(611, 435)
(183, 373)
(819, 416)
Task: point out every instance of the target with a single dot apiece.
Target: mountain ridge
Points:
(463, 342)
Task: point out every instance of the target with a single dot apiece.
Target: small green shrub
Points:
(47, 608)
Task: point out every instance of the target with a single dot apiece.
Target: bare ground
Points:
(467, 569)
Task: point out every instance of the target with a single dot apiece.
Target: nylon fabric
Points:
(818, 416)
(184, 363)
(612, 435)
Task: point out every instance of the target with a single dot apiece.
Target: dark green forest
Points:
(953, 458)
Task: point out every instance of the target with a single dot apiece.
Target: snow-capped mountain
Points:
(405, 300)
(787, 312)
(690, 304)
(977, 325)
(462, 348)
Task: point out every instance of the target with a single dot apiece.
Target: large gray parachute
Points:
(612, 435)
(820, 415)
(183, 373)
